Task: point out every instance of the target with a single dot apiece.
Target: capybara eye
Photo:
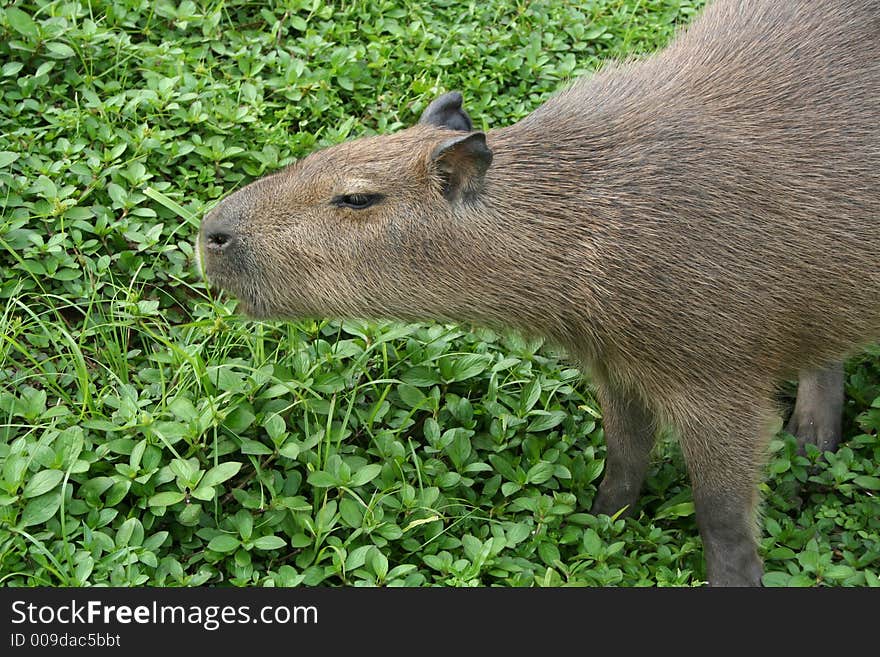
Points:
(356, 201)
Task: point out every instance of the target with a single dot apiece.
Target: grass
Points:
(150, 436)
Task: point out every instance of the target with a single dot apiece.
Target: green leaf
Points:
(838, 572)
(220, 473)
(298, 23)
(270, 543)
(126, 530)
(224, 543)
(243, 521)
(593, 469)
(254, 447)
(42, 482)
(189, 516)
(183, 409)
(21, 22)
(781, 553)
(351, 512)
(802, 580)
(809, 559)
(529, 396)
(300, 541)
(117, 194)
(84, 568)
(155, 541)
(518, 533)
(676, 511)
(239, 419)
(508, 488)
(592, 542)
(865, 481)
(776, 579)
(322, 479)
(379, 564)
(186, 470)
(11, 68)
(117, 492)
(44, 68)
(549, 553)
(473, 548)
(540, 472)
(166, 499)
(365, 474)
(326, 517)
(357, 557)
(545, 420)
(60, 50)
(466, 367)
(410, 395)
(41, 508)
(204, 493)
(503, 467)
(477, 466)
(460, 448)
(421, 376)
(7, 158)
(594, 33)
(275, 427)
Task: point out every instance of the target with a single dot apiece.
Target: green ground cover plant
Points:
(151, 436)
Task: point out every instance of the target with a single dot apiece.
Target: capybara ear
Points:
(446, 112)
(461, 162)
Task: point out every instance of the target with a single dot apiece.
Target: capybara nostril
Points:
(218, 239)
(219, 230)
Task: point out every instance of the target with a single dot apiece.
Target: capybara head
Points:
(348, 230)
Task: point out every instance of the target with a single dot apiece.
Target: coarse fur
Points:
(693, 227)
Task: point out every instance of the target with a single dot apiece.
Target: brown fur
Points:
(693, 227)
